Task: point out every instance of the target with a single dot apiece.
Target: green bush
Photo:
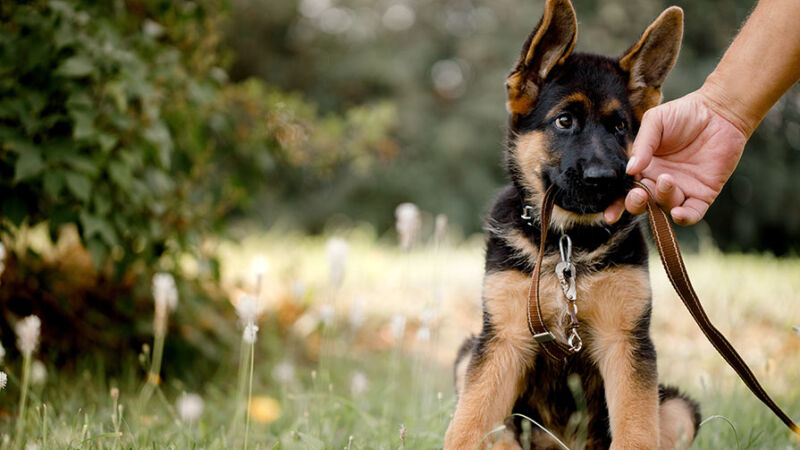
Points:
(121, 120)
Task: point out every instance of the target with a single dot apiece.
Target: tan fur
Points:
(677, 426)
(491, 388)
(461, 372)
(530, 153)
(610, 107)
(522, 94)
(577, 97)
(613, 301)
(644, 99)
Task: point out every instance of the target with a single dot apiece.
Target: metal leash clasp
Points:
(565, 272)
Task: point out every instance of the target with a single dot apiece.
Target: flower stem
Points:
(23, 397)
(249, 392)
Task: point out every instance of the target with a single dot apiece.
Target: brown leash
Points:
(672, 260)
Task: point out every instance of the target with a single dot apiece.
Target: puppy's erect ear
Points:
(649, 61)
(548, 45)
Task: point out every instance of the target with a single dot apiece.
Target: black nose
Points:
(599, 174)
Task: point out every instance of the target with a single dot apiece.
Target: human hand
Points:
(684, 153)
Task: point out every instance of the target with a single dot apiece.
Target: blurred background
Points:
(240, 145)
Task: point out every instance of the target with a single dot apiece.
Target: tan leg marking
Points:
(614, 300)
(492, 386)
(677, 424)
(461, 372)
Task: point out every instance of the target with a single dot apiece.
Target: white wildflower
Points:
(336, 250)
(424, 334)
(38, 372)
(259, 266)
(441, 227)
(407, 224)
(164, 290)
(250, 332)
(247, 309)
(326, 313)
(398, 327)
(190, 407)
(283, 372)
(152, 29)
(3, 380)
(357, 314)
(298, 289)
(28, 334)
(359, 383)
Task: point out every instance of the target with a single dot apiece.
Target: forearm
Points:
(761, 64)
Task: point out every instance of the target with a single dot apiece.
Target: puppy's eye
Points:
(621, 127)
(564, 121)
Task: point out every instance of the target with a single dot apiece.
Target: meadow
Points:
(355, 342)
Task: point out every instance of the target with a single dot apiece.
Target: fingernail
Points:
(639, 198)
(609, 218)
(631, 162)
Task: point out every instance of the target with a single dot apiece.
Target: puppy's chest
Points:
(608, 301)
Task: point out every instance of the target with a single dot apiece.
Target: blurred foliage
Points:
(118, 120)
(118, 117)
(444, 64)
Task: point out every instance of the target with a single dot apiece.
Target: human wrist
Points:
(715, 94)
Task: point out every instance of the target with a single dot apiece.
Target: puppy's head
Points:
(573, 116)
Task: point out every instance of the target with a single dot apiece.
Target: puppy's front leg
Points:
(499, 360)
(626, 357)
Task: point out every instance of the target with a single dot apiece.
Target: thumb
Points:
(647, 141)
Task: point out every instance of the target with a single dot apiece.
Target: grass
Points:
(354, 380)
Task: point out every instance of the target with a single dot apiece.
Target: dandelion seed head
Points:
(336, 249)
(358, 383)
(357, 314)
(3, 380)
(38, 373)
(407, 223)
(440, 227)
(250, 332)
(164, 291)
(298, 289)
(283, 372)
(190, 407)
(28, 330)
(247, 309)
(259, 266)
(326, 313)
(398, 327)
(424, 334)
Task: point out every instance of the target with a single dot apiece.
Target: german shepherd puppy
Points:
(573, 118)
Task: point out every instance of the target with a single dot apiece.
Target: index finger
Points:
(647, 141)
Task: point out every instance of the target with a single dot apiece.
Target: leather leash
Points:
(667, 245)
